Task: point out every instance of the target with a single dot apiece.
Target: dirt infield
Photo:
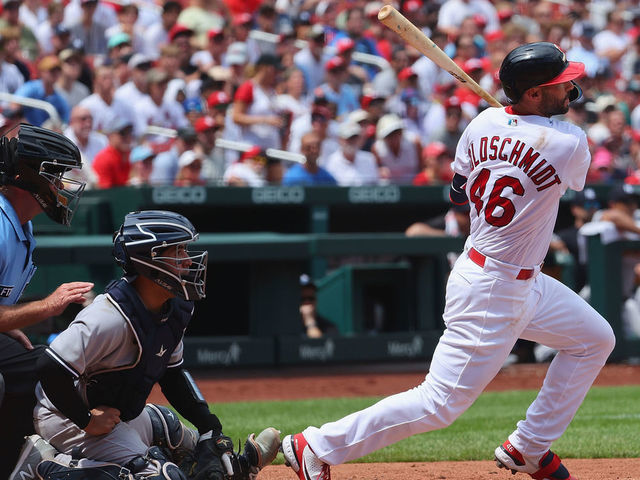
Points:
(299, 384)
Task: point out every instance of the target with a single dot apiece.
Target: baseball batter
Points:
(96, 375)
(512, 165)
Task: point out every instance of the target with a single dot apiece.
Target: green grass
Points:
(606, 425)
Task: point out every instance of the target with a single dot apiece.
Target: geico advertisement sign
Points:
(185, 195)
(278, 195)
(383, 194)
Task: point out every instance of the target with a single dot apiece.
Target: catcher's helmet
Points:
(141, 247)
(535, 65)
(36, 160)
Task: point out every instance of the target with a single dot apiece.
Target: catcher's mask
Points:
(37, 160)
(154, 244)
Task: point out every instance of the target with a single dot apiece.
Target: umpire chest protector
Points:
(157, 336)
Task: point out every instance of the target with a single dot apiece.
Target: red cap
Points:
(480, 21)
(574, 70)
(344, 44)
(452, 102)
(505, 14)
(214, 32)
(434, 149)
(473, 64)
(412, 5)
(494, 35)
(219, 98)
(242, 19)
(333, 63)
(178, 29)
(406, 73)
(204, 123)
(252, 152)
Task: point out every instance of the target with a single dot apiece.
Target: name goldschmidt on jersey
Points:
(526, 158)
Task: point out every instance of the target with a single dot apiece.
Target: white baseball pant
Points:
(487, 310)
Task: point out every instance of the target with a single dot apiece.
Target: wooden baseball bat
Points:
(411, 34)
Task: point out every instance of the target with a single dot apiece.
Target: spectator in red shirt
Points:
(111, 165)
(435, 168)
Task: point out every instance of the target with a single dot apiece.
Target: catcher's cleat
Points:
(34, 450)
(549, 467)
(299, 456)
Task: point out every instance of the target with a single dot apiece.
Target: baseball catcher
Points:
(96, 376)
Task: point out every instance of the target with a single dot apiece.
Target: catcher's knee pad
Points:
(168, 431)
(52, 470)
(168, 471)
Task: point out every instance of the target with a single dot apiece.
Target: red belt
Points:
(479, 259)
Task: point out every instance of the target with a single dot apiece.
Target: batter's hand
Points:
(103, 420)
(66, 294)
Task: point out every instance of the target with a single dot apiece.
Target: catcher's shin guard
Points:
(170, 434)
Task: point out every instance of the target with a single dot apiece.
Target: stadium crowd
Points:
(194, 92)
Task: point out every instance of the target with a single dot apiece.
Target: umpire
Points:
(33, 164)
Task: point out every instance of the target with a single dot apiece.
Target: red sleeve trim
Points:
(244, 92)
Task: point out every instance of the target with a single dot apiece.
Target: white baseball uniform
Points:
(517, 168)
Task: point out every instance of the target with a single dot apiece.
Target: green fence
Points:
(384, 291)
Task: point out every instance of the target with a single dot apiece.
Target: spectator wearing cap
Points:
(397, 155)
(141, 159)
(407, 81)
(157, 34)
(165, 166)
(236, 60)
(213, 54)
(452, 127)
(386, 81)
(213, 166)
(217, 104)
(90, 30)
(350, 165)
(80, 131)
(434, 165)
(10, 17)
(128, 15)
(68, 85)
(453, 12)
(45, 29)
(136, 88)
(119, 45)
(254, 110)
(189, 169)
(61, 39)
(311, 58)
(43, 88)
(321, 122)
(111, 165)
(309, 172)
(10, 77)
(358, 75)
(241, 25)
(153, 110)
(582, 49)
(249, 170)
(355, 25)
(180, 36)
(336, 90)
(102, 104)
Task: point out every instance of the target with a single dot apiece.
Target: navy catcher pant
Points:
(17, 366)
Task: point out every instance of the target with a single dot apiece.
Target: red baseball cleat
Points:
(549, 467)
(299, 456)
